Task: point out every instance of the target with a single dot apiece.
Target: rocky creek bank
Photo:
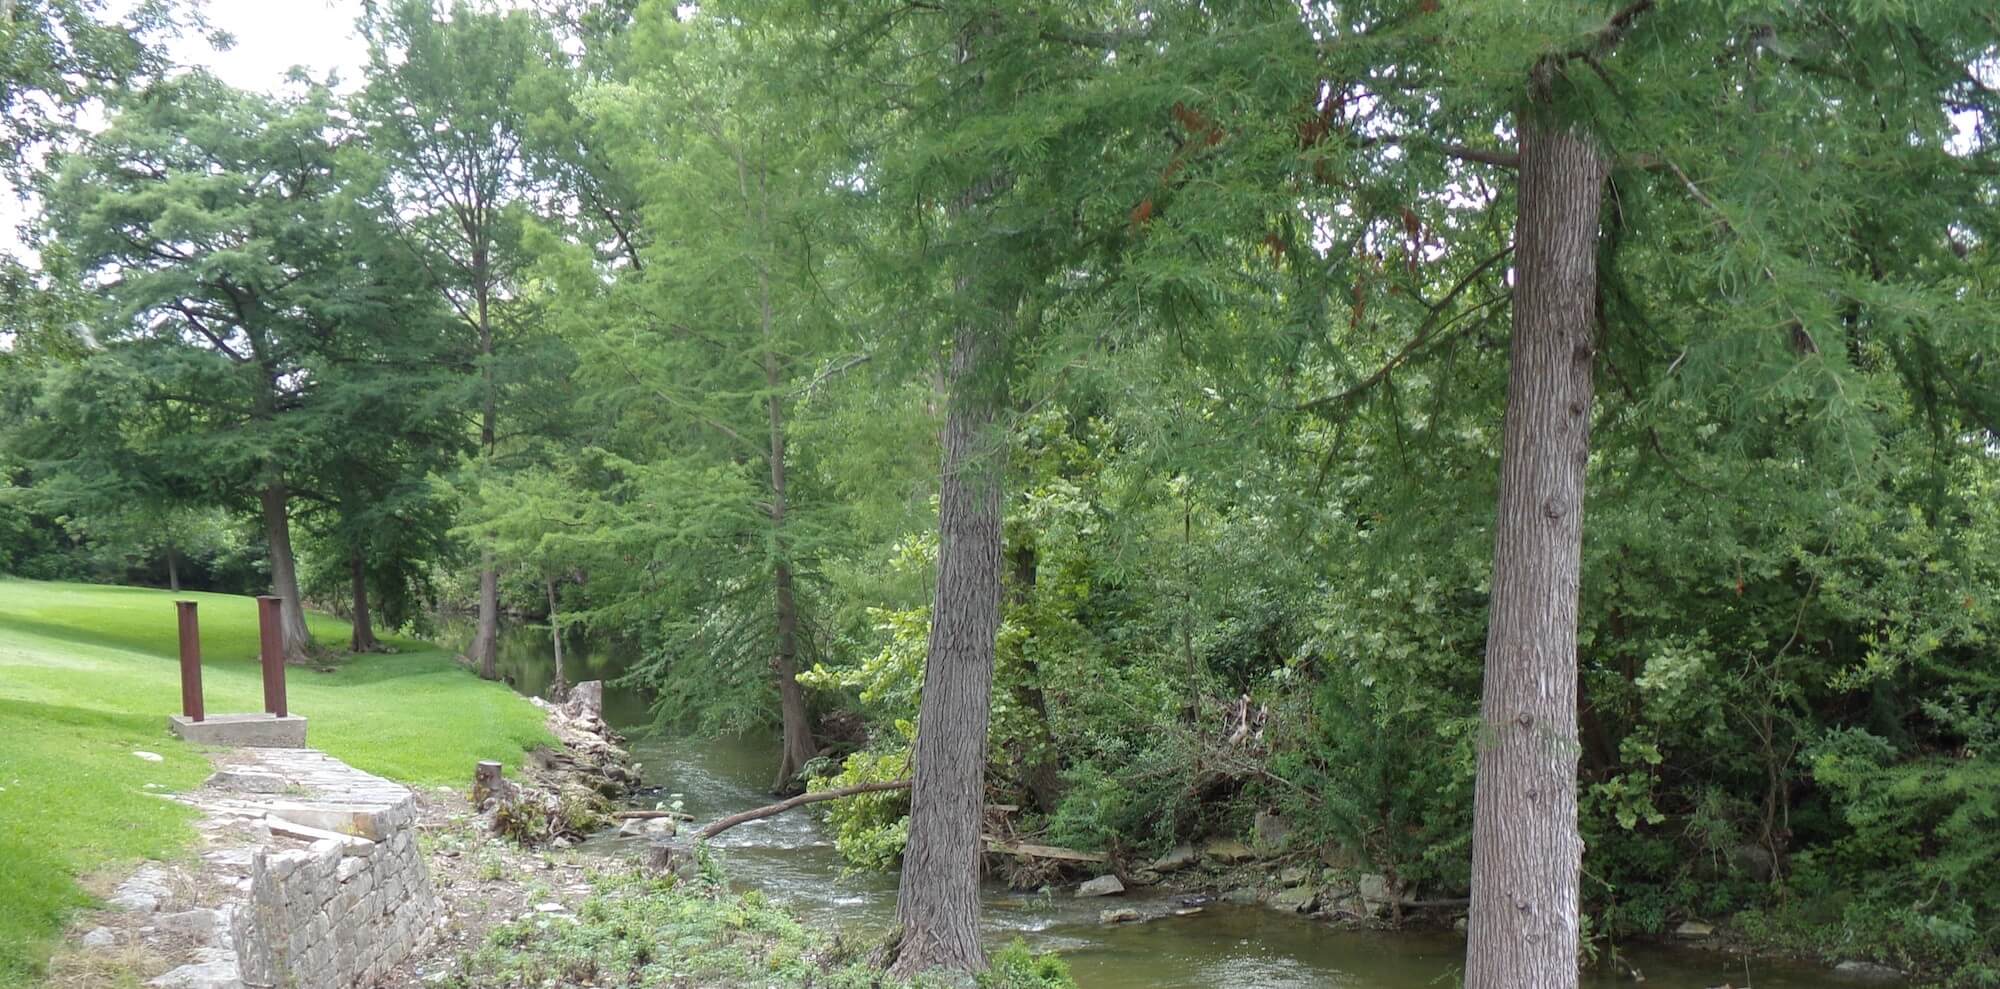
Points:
(567, 793)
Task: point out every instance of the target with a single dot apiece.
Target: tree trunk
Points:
(799, 746)
(363, 639)
(485, 651)
(559, 688)
(1526, 854)
(938, 899)
(173, 567)
(284, 570)
(771, 810)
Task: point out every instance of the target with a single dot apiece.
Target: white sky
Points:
(271, 37)
(274, 35)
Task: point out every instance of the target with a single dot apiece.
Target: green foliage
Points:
(58, 56)
(638, 931)
(1015, 967)
(645, 932)
(870, 829)
(534, 819)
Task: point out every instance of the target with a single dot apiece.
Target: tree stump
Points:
(487, 783)
(663, 859)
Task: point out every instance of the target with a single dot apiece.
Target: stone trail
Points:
(313, 880)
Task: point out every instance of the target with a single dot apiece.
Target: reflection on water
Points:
(791, 858)
(526, 660)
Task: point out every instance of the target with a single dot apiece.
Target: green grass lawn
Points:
(88, 674)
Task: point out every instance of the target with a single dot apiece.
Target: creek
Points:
(791, 858)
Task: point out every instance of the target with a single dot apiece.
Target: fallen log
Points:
(1025, 850)
(801, 800)
(648, 815)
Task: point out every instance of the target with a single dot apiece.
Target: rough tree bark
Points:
(1526, 853)
(284, 569)
(363, 637)
(173, 567)
(938, 900)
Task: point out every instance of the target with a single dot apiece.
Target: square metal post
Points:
(190, 662)
(271, 640)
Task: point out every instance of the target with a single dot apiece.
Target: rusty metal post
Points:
(190, 662)
(271, 639)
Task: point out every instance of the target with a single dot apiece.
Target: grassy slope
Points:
(88, 674)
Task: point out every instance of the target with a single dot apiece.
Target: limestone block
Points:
(207, 975)
(201, 926)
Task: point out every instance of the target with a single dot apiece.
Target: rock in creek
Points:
(1376, 891)
(1270, 831)
(1181, 857)
(1228, 851)
(1121, 915)
(1298, 899)
(1101, 886)
(1866, 972)
(1694, 929)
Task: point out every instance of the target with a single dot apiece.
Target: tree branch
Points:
(1504, 159)
(1423, 336)
(801, 800)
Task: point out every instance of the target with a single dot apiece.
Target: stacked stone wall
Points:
(329, 891)
(339, 913)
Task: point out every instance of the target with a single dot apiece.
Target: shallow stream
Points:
(791, 858)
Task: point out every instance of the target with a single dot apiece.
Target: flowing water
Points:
(791, 858)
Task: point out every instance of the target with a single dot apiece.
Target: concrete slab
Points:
(242, 730)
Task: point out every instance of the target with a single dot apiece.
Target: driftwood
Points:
(801, 800)
(648, 815)
(1054, 852)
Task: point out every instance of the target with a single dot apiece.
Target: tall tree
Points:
(700, 351)
(1526, 852)
(442, 110)
(995, 163)
(215, 220)
(1588, 94)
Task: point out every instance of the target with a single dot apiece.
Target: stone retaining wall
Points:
(333, 892)
(338, 913)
